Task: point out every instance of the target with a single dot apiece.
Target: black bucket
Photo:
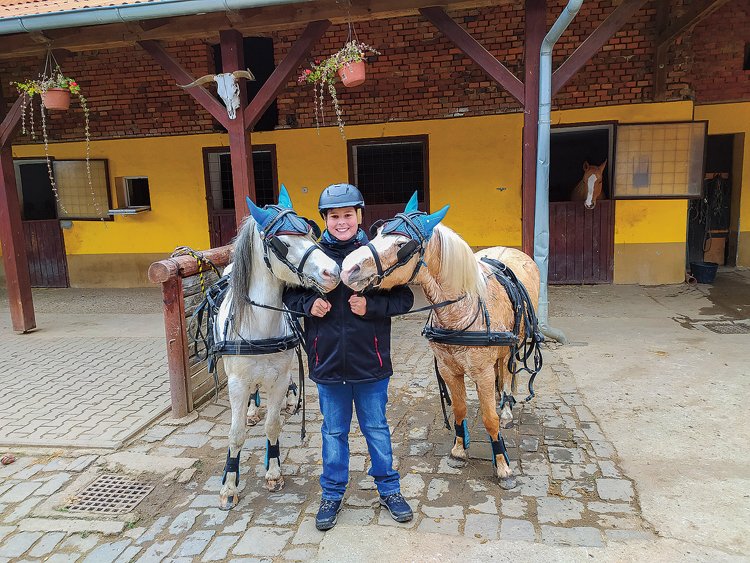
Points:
(704, 272)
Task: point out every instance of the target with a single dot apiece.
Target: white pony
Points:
(274, 247)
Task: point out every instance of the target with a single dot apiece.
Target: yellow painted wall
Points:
(732, 119)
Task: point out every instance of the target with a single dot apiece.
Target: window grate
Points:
(110, 494)
(388, 173)
(728, 327)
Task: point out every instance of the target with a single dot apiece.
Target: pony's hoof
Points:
(228, 502)
(290, 409)
(508, 483)
(506, 423)
(457, 462)
(252, 420)
(275, 485)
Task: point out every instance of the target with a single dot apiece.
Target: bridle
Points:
(287, 222)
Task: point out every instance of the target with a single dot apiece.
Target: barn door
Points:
(45, 246)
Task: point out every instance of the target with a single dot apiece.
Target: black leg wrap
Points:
(462, 431)
(232, 466)
(498, 447)
(272, 451)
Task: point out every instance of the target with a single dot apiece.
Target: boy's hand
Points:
(320, 307)
(358, 304)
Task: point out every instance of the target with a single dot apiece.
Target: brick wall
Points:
(419, 75)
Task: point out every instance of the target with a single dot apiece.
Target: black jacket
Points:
(343, 347)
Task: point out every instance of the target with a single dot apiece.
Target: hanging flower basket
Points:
(56, 98)
(352, 73)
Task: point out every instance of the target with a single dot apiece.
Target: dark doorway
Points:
(581, 240)
(45, 245)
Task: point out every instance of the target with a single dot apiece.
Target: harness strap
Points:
(305, 256)
(272, 452)
(445, 398)
(378, 265)
(232, 466)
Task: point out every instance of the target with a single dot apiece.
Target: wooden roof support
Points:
(181, 76)
(693, 16)
(281, 74)
(474, 50)
(601, 35)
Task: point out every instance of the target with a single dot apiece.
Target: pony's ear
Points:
(284, 200)
(586, 165)
(603, 165)
(260, 215)
(431, 221)
(413, 204)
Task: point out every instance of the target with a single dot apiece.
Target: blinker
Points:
(279, 247)
(406, 251)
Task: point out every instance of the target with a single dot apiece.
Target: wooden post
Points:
(11, 231)
(536, 28)
(240, 147)
(177, 346)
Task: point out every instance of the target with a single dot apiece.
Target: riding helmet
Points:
(336, 196)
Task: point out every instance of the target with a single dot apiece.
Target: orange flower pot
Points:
(56, 98)
(352, 74)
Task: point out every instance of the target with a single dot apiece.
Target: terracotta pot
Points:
(56, 98)
(352, 74)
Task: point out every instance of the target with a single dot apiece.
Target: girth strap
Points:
(232, 466)
(445, 398)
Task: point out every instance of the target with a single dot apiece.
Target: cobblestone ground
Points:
(571, 489)
(80, 392)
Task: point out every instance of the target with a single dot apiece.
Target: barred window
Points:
(660, 160)
(220, 177)
(78, 200)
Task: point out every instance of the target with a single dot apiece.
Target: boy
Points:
(348, 339)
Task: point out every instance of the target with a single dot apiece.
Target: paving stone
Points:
(279, 515)
(533, 485)
(219, 548)
(212, 411)
(564, 455)
(195, 543)
(615, 489)
(81, 463)
(356, 516)
(610, 507)
(476, 486)
(5, 531)
(609, 469)
(16, 545)
(575, 489)
(240, 525)
(618, 521)
(481, 526)
(204, 501)
(441, 526)
(183, 522)
(186, 475)
(134, 533)
(20, 492)
(512, 529)
(22, 510)
(158, 433)
(603, 449)
(558, 511)
(452, 512)
(53, 485)
(214, 517)
(187, 440)
(419, 448)
(560, 471)
(529, 444)
(129, 554)
(63, 558)
(307, 533)
(198, 427)
(300, 554)
(582, 536)
(287, 498)
(154, 530)
(437, 488)
(583, 471)
(156, 552)
(260, 540)
(80, 542)
(446, 469)
(107, 553)
(487, 507)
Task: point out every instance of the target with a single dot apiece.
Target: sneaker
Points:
(327, 513)
(398, 507)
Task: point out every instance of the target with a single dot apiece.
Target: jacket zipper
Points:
(378, 352)
(315, 347)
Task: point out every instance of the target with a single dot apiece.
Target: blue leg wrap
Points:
(498, 447)
(462, 431)
(256, 397)
(232, 466)
(272, 451)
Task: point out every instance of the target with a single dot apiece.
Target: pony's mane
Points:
(242, 258)
(459, 272)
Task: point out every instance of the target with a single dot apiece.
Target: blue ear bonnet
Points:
(289, 224)
(419, 226)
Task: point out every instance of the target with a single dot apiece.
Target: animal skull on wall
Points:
(227, 87)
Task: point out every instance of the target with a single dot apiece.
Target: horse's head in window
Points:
(589, 189)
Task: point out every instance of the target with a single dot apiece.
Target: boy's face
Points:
(342, 223)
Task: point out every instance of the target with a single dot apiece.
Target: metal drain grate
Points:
(110, 494)
(728, 328)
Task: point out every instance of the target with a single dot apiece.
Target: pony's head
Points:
(592, 180)
(289, 243)
(398, 252)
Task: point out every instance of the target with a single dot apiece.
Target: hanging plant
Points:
(54, 90)
(348, 64)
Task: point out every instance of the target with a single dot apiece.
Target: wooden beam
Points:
(594, 42)
(240, 148)
(280, 76)
(695, 14)
(249, 22)
(661, 54)
(472, 49)
(13, 244)
(536, 28)
(181, 76)
(10, 123)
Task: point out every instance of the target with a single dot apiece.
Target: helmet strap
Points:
(359, 216)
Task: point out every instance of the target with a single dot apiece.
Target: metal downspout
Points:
(541, 216)
(129, 12)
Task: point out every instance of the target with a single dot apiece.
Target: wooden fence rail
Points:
(189, 380)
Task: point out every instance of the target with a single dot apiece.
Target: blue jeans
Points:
(369, 399)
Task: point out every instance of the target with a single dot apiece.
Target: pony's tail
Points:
(240, 280)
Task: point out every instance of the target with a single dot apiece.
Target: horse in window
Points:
(589, 189)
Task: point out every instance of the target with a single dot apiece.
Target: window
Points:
(388, 172)
(78, 200)
(133, 195)
(746, 65)
(219, 177)
(660, 160)
(570, 148)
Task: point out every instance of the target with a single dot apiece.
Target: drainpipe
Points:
(129, 12)
(541, 216)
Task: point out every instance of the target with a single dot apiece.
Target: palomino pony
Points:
(274, 247)
(447, 270)
(589, 189)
